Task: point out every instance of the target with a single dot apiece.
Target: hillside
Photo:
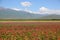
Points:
(6, 13)
(12, 14)
(51, 16)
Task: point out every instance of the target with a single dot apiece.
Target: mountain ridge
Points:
(6, 13)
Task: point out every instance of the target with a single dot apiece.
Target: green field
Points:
(29, 19)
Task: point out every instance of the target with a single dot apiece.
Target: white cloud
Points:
(17, 9)
(54, 12)
(26, 4)
(44, 10)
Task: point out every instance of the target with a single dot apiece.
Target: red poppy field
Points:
(29, 30)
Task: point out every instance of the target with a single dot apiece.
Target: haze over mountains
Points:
(6, 13)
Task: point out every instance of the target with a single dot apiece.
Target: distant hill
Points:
(51, 16)
(12, 14)
(6, 13)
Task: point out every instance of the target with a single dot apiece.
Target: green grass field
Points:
(29, 19)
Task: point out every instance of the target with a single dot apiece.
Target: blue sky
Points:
(36, 4)
(51, 4)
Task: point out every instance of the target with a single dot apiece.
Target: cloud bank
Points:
(41, 10)
(44, 10)
(16, 9)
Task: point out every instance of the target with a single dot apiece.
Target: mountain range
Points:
(6, 13)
